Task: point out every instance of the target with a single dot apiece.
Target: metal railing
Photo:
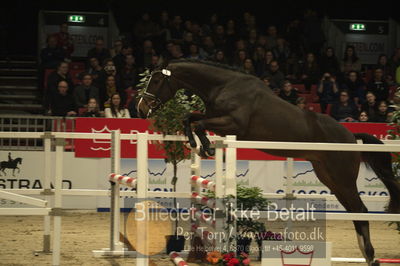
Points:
(33, 123)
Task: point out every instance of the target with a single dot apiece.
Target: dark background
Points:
(18, 18)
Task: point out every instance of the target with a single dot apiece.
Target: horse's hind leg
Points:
(342, 182)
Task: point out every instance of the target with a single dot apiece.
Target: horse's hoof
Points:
(210, 152)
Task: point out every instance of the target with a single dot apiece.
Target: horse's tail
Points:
(381, 163)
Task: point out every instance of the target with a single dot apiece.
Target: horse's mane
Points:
(209, 63)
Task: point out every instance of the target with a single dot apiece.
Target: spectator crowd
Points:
(292, 60)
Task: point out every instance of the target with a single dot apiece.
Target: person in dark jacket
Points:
(288, 93)
(99, 51)
(344, 110)
(85, 91)
(62, 103)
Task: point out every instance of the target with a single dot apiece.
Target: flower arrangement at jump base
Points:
(228, 259)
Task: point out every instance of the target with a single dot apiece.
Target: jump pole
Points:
(58, 201)
(141, 190)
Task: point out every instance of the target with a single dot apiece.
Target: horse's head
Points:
(18, 160)
(157, 92)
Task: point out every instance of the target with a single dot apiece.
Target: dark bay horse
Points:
(11, 165)
(240, 104)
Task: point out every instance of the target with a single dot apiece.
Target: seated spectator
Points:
(116, 109)
(193, 52)
(263, 65)
(329, 62)
(363, 117)
(143, 59)
(99, 51)
(379, 86)
(344, 110)
(116, 49)
(327, 91)
(92, 109)
(111, 88)
(370, 106)
(132, 108)
(267, 81)
(281, 51)
(248, 67)
(240, 56)
(309, 72)
(95, 70)
(383, 63)
(354, 84)
(52, 55)
(128, 75)
(85, 91)
(208, 48)
(350, 61)
(277, 77)
(155, 62)
(383, 115)
(301, 103)
(219, 57)
(288, 93)
(61, 73)
(61, 102)
(119, 59)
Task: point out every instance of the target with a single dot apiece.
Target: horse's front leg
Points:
(187, 122)
(224, 125)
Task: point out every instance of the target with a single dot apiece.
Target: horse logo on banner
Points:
(10, 164)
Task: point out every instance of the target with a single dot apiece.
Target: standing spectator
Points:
(231, 37)
(329, 62)
(272, 36)
(61, 102)
(355, 85)
(288, 93)
(52, 55)
(85, 91)
(62, 73)
(344, 110)
(281, 52)
(145, 28)
(176, 29)
(327, 91)
(295, 38)
(116, 109)
(379, 86)
(92, 109)
(99, 51)
(219, 37)
(370, 106)
(313, 33)
(350, 60)
(116, 49)
(309, 72)
(64, 40)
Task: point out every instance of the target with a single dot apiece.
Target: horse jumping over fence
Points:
(10, 165)
(240, 104)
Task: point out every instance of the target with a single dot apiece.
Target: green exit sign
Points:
(357, 27)
(76, 18)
